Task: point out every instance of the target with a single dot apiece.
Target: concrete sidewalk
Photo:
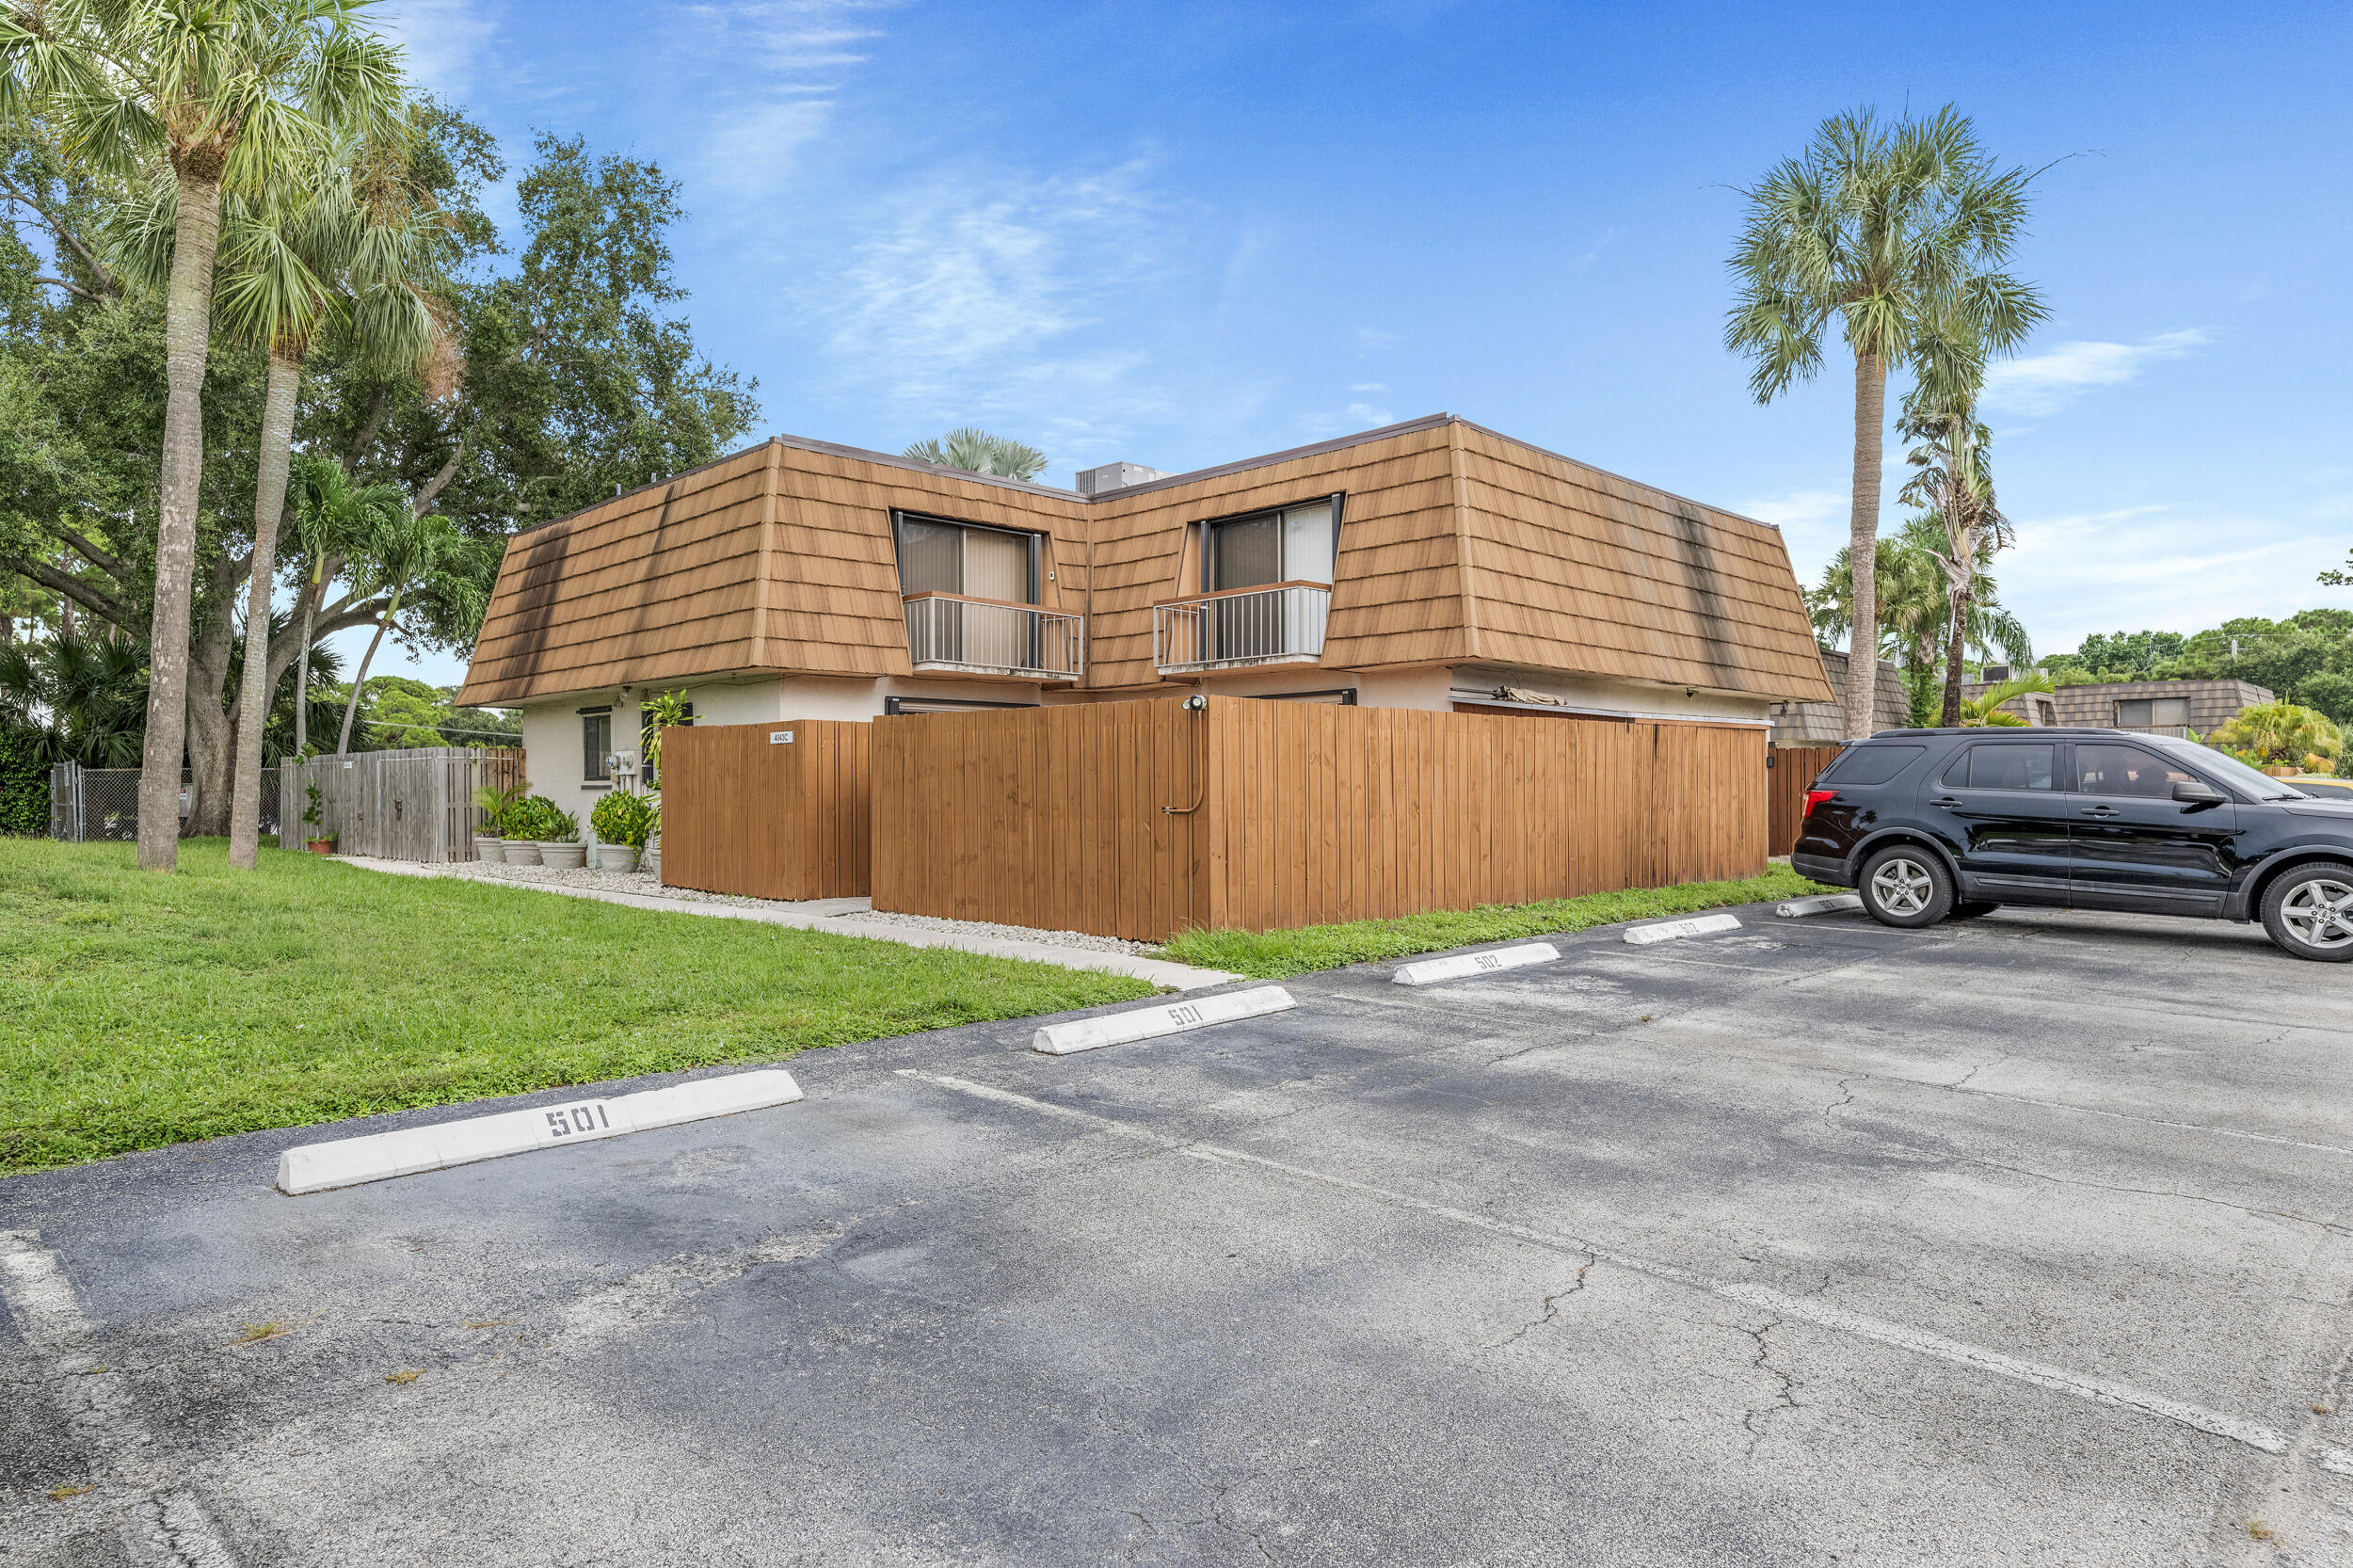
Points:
(843, 917)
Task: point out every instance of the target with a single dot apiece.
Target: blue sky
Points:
(1184, 233)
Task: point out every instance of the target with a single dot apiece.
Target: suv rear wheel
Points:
(2309, 911)
(1907, 886)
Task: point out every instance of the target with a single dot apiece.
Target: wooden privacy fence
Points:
(774, 810)
(409, 805)
(1137, 819)
(1791, 771)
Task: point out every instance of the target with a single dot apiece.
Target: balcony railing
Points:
(1280, 624)
(988, 636)
(2179, 731)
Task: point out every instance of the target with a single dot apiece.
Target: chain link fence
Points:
(101, 805)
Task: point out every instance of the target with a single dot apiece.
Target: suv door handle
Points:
(2102, 811)
(1945, 800)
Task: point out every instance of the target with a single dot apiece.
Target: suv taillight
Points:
(1816, 797)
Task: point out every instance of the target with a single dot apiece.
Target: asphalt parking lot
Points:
(2020, 1240)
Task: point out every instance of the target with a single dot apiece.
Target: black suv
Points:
(1926, 823)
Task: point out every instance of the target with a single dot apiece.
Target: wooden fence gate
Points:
(1138, 819)
(770, 810)
(1789, 771)
(411, 805)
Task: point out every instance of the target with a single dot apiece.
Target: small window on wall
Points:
(2163, 712)
(1296, 544)
(596, 744)
(937, 557)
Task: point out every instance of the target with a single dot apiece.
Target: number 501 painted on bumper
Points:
(349, 1161)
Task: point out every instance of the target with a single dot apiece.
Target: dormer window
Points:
(1294, 544)
(941, 557)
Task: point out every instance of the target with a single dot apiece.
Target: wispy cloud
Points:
(1798, 507)
(443, 39)
(1369, 387)
(2046, 382)
(2156, 565)
(976, 293)
(1371, 416)
(768, 78)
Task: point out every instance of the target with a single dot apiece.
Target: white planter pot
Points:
(615, 857)
(487, 850)
(564, 858)
(651, 859)
(521, 852)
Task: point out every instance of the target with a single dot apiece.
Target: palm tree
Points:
(1954, 483)
(1986, 707)
(334, 519)
(1911, 605)
(348, 239)
(226, 96)
(82, 694)
(1897, 232)
(975, 450)
(405, 555)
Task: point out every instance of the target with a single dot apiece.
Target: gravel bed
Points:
(643, 883)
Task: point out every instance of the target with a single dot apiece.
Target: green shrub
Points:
(542, 820)
(24, 783)
(623, 819)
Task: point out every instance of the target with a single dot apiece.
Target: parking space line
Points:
(165, 1525)
(1903, 1337)
(2128, 1116)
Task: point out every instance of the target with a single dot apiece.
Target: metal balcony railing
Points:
(1279, 624)
(987, 636)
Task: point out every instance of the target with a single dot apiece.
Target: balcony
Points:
(1242, 628)
(989, 636)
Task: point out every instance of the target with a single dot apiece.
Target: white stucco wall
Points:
(554, 757)
(1600, 693)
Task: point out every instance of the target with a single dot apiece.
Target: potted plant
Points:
(621, 822)
(317, 840)
(494, 803)
(521, 826)
(560, 848)
(650, 862)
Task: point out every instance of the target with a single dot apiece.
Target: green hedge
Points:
(23, 784)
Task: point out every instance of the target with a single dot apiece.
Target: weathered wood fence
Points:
(1790, 772)
(774, 810)
(1136, 819)
(410, 805)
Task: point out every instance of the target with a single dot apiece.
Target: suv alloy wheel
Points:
(1905, 885)
(2309, 911)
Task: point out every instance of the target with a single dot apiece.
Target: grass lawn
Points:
(1272, 954)
(138, 1010)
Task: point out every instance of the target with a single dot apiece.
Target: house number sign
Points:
(779, 737)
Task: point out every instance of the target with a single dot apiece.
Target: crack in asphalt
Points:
(1755, 1419)
(1551, 1310)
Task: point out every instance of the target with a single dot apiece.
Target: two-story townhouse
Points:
(1433, 564)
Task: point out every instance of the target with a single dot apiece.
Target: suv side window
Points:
(2128, 771)
(1868, 765)
(2005, 766)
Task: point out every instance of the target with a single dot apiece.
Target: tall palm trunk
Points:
(302, 655)
(1863, 660)
(359, 683)
(269, 503)
(187, 326)
(1952, 719)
